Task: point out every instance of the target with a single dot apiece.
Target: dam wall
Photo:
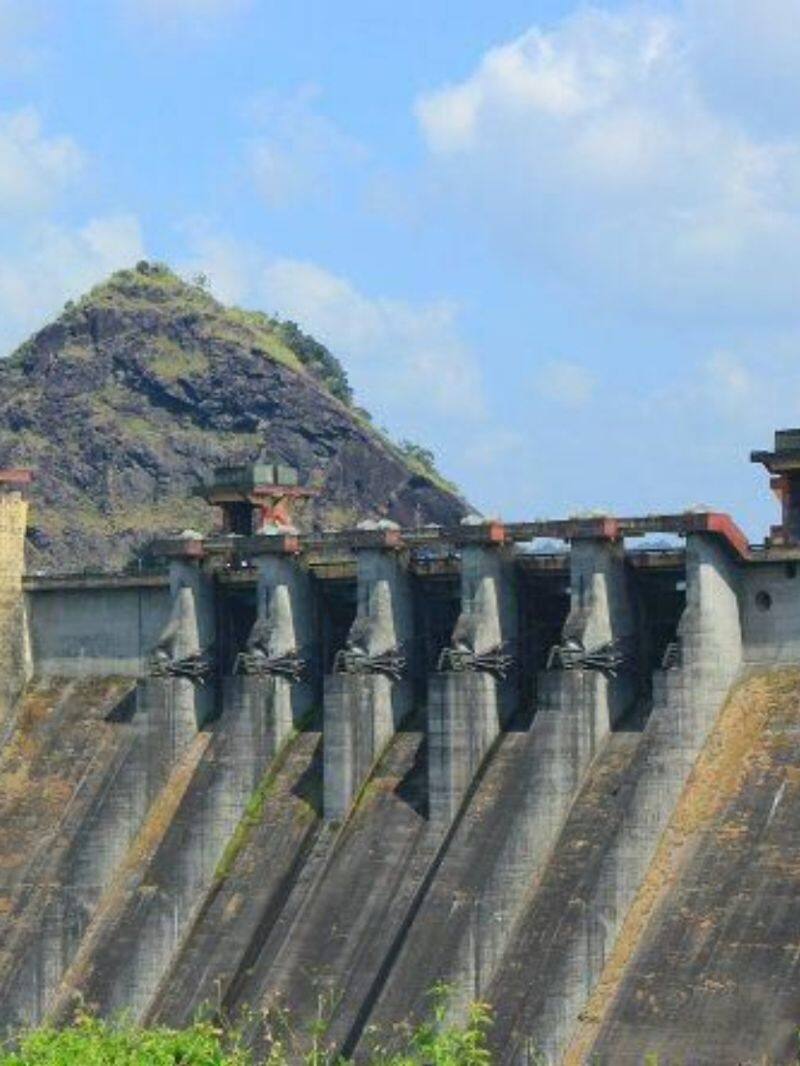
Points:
(355, 765)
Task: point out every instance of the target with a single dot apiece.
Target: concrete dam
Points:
(553, 766)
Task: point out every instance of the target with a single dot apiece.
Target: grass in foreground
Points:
(91, 1041)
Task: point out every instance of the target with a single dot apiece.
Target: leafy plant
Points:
(90, 1041)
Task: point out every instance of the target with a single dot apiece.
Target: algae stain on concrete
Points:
(748, 725)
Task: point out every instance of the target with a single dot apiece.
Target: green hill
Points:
(125, 403)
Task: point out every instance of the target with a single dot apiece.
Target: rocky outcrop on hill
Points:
(127, 401)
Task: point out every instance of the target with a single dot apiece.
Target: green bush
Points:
(92, 1042)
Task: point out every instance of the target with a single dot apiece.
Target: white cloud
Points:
(229, 265)
(43, 260)
(51, 264)
(298, 151)
(405, 359)
(565, 383)
(757, 37)
(597, 149)
(34, 168)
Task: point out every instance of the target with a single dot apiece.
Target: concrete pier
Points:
(505, 834)
(282, 645)
(371, 691)
(476, 693)
(602, 621)
(686, 701)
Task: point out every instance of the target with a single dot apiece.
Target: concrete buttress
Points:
(504, 835)
(370, 692)
(167, 712)
(686, 701)
(468, 701)
(133, 948)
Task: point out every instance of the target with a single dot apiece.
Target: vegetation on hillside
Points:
(422, 461)
(282, 341)
(279, 339)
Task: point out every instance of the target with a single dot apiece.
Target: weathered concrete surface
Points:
(353, 912)
(249, 892)
(140, 931)
(359, 723)
(499, 847)
(148, 741)
(686, 702)
(555, 904)
(364, 709)
(708, 968)
(463, 723)
(64, 744)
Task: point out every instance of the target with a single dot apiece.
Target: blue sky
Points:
(558, 243)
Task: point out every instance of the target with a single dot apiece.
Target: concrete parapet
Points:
(371, 692)
(103, 631)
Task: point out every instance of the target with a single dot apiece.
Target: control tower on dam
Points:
(551, 765)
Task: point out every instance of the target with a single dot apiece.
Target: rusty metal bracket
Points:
(196, 668)
(610, 659)
(256, 663)
(354, 660)
(457, 660)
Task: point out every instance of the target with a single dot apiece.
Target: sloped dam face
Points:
(568, 786)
